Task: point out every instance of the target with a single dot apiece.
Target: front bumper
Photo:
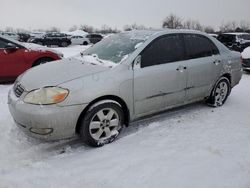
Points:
(47, 122)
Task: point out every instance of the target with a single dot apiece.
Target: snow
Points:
(76, 33)
(193, 146)
(73, 50)
(246, 53)
(93, 59)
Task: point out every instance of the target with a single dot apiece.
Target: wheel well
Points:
(42, 58)
(107, 97)
(228, 76)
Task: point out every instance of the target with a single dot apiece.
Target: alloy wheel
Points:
(104, 124)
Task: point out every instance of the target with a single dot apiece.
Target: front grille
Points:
(18, 89)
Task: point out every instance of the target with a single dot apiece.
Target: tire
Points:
(85, 43)
(42, 61)
(64, 44)
(220, 92)
(102, 123)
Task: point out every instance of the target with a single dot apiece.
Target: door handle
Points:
(181, 68)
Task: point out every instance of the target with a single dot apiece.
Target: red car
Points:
(16, 57)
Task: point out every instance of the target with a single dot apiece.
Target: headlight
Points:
(47, 95)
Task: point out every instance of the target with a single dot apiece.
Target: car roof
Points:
(151, 32)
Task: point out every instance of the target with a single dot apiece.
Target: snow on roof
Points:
(76, 33)
(246, 53)
(236, 33)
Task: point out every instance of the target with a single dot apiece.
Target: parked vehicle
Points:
(16, 57)
(121, 79)
(94, 38)
(23, 37)
(246, 59)
(10, 35)
(51, 39)
(235, 41)
(79, 40)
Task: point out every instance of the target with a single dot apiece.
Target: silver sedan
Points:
(121, 79)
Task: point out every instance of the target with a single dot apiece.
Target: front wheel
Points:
(220, 92)
(102, 123)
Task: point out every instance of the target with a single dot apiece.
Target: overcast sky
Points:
(35, 14)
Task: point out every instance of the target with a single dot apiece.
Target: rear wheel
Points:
(85, 43)
(64, 44)
(220, 92)
(102, 123)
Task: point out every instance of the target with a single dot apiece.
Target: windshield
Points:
(12, 40)
(114, 48)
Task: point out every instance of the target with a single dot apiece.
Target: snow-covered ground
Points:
(193, 147)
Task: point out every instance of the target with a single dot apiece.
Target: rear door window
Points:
(198, 46)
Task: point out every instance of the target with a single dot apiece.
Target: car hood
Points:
(58, 72)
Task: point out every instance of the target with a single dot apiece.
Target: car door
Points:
(204, 65)
(93, 39)
(49, 39)
(12, 62)
(160, 80)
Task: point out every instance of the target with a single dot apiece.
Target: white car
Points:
(246, 59)
(79, 40)
(10, 35)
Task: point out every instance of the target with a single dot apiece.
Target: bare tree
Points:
(245, 26)
(188, 24)
(87, 28)
(209, 29)
(9, 29)
(193, 24)
(172, 22)
(228, 27)
(107, 29)
(73, 28)
(134, 26)
(53, 29)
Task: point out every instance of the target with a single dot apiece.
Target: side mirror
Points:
(10, 47)
(137, 62)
